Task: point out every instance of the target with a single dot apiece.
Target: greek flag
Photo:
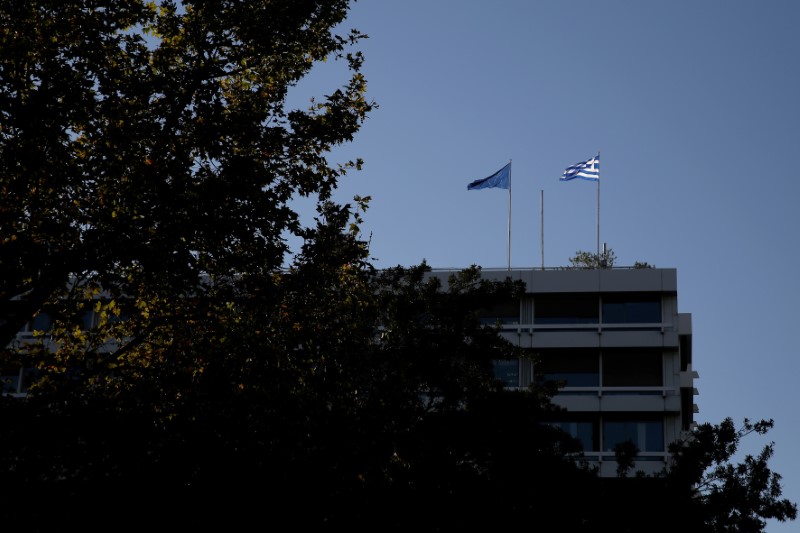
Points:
(585, 170)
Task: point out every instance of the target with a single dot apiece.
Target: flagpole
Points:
(542, 226)
(598, 218)
(502, 179)
(509, 215)
(598, 208)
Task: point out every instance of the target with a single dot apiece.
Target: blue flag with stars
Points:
(500, 179)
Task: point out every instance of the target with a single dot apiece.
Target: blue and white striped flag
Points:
(585, 170)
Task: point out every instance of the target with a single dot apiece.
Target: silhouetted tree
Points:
(727, 496)
(146, 144)
(329, 396)
(704, 488)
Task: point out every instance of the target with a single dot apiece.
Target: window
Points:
(507, 371)
(573, 367)
(122, 317)
(565, 309)
(631, 308)
(41, 322)
(583, 430)
(632, 368)
(9, 384)
(504, 312)
(647, 433)
(87, 320)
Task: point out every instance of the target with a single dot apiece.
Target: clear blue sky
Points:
(695, 109)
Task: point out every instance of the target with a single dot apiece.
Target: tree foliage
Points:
(723, 495)
(143, 144)
(605, 259)
(709, 486)
(331, 396)
(583, 259)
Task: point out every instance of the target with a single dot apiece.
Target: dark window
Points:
(585, 430)
(575, 368)
(631, 308)
(504, 313)
(507, 371)
(41, 322)
(87, 320)
(566, 308)
(632, 368)
(646, 432)
(686, 351)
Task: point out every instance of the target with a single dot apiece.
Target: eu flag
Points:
(500, 179)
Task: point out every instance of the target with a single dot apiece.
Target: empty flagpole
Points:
(542, 227)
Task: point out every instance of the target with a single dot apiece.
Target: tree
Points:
(363, 392)
(148, 161)
(148, 157)
(583, 259)
(145, 144)
(707, 489)
(606, 259)
(725, 496)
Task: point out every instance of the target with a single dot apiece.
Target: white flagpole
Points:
(542, 226)
(598, 208)
(598, 218)
(509, 215)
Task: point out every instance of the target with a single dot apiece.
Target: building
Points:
(618, 346)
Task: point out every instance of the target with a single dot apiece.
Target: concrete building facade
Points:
(619, 348)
